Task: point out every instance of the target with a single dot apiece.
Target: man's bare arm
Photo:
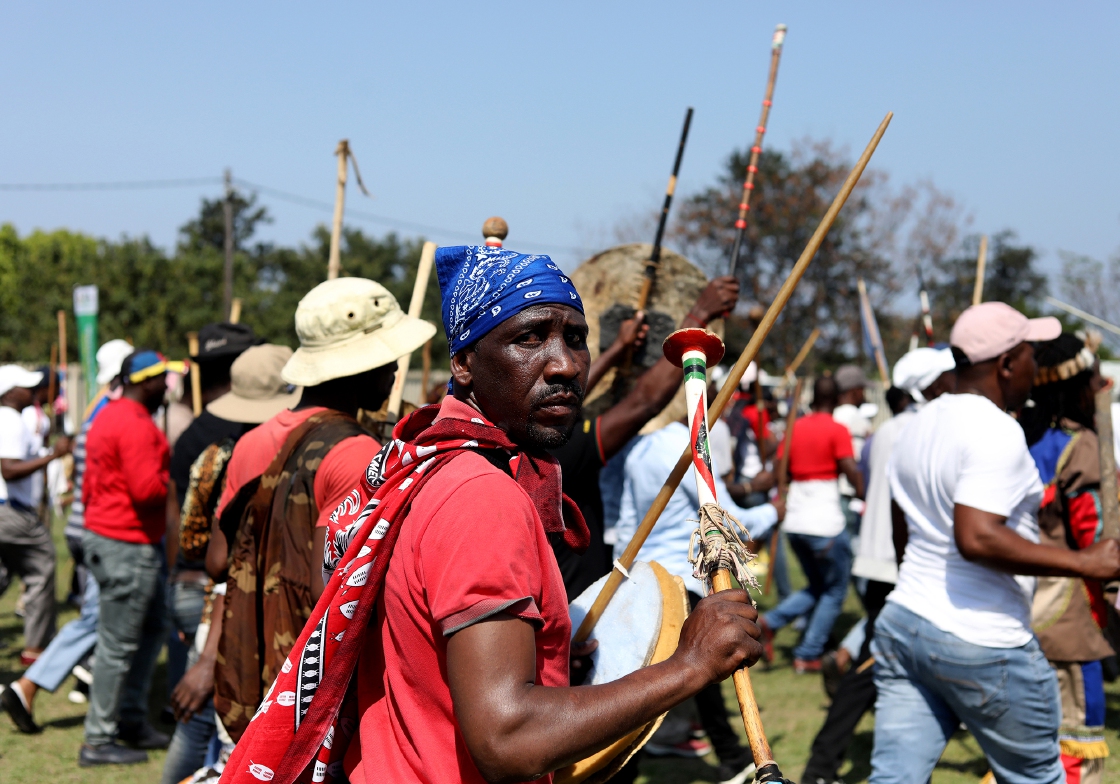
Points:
(984, 537)
(900, 533)
(851, 471)
(517, 731)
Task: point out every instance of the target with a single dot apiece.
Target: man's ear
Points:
(1004, 364)
(461, 368)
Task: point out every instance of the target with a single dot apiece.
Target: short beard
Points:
(539, 437)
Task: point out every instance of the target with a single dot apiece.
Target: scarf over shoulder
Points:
(306, 721)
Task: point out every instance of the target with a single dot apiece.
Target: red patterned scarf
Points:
(307, 719)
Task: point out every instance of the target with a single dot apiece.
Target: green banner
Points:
(85, 313)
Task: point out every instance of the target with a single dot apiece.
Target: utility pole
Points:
(227, 208)
(333, 261)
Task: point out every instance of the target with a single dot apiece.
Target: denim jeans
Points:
(70, 645)
(929, 681)
(184, 610)
(827, 563)
(130, 633)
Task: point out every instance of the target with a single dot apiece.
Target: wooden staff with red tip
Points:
(693, 350)
(756, 148)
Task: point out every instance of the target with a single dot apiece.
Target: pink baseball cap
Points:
(989, 329)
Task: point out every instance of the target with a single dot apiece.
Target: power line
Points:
(124, 185)
(276, 193)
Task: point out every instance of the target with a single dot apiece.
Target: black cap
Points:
(225, 340)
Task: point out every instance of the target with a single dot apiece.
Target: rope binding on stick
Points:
(715, 545)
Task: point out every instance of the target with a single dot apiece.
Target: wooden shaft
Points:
(235, 311)
(52, 388)
(732, 383)
(783, 475)
(1110, 499)
(334, 263)
(419, 289)
(981, 261)
(196, 377)
(806, 347)
(756, 149)
(426, 365)
(744, 691)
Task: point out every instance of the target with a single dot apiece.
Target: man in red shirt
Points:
(446, 605)
(820, 451)
(125, 491)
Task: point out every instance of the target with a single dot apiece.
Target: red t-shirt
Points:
(472, 546)
(124, 487)
(340, 471)
(750, 413)
(819, 442)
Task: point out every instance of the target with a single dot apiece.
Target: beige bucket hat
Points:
(347, 326)
(257, 390)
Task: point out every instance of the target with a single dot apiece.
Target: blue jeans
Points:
(929, 681)
(189, 745)
(184, 609)
(70, 645)
(827, 563)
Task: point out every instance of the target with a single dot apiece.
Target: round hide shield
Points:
(641, 626)
(609, 284)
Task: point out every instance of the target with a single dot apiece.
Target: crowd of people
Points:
(968, 523)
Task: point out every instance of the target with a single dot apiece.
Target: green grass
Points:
(793, 708)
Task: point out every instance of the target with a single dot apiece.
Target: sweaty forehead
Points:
(560, 315)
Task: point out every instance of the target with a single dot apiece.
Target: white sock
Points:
(14, 686)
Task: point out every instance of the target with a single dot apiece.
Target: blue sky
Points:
(561, 117)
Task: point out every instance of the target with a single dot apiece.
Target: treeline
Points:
(153, 298)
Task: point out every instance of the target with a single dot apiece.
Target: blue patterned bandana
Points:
(482, 287)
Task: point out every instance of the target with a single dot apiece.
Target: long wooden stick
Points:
(626, 560)
(873, 335)
(806, 347)
(783, 476)
(756, 148)
(333, 260)
(235, 310)
(1081, 314)
(196, 374)
(419, 289)
(1109, 492)
(981, 261)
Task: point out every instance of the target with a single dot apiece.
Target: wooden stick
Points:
(1081, 314)
(1109, 492)
(626, 560)
(783, 475)
(423, 272)
(981, 260)
(756, 148)
(235, 310)
(426, 371)
(196, 375)
(806, 347)
(52, 390)
(744, 692)
(333, 260)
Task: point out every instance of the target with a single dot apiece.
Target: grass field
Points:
(793, 708)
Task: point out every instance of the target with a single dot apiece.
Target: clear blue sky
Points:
(560, 117)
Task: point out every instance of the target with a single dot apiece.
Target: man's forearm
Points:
(985, 538)
(14, 470)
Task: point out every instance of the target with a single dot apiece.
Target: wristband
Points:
(694, 320)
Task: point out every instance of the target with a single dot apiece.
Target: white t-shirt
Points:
(18, 443)
(860, 427)
(719, 439)
(962, 449)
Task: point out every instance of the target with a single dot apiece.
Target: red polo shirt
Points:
(472, 546)
(124, 487)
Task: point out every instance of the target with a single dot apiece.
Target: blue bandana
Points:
(482, 287)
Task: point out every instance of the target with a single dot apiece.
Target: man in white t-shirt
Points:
(26, 548)
(954, 642)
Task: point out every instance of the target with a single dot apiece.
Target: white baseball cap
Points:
(109, 359)
(347, 326)
(12, 376)
(918, 369)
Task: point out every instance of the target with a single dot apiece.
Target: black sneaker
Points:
(11, 702)
(143, 736)
(110, 754)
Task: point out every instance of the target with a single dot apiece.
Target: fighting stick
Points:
(626, 560)
(423, 272)
(756, 148)
(806, 347)
(715, 549)
(196, 378)
(981, 260)
(1110, 499)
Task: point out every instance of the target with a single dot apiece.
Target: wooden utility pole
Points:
(333, 263)
(227, 209)
(981, 261)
